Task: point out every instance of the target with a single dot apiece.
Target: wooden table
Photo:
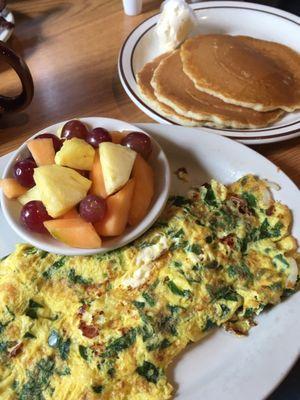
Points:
(71, 48)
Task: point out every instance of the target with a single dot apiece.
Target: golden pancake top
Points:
(244, 71)
(173, 87)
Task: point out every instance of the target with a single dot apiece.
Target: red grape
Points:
(97, 136)
(73, 129)
(57, 142)
(32, 216)
(23, 172)
(138, 142)
(92, 208)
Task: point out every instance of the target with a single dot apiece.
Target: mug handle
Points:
(16, 103)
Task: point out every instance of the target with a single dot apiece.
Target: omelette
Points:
(107, 326)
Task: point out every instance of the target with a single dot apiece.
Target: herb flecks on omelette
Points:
(107, 326)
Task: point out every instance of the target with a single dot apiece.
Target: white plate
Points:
(5, 34)
(11, 208)
(224, 366)
(228, 17)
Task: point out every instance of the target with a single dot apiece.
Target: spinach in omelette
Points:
(108, 326)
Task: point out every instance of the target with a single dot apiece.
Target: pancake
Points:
(244, 71)
(173, 87)
(147, 93)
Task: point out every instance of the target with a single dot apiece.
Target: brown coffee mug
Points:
(22, 100)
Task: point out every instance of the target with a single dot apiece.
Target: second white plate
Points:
(228, 17)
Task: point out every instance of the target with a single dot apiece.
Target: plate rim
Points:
(248, 149)
(136, 98)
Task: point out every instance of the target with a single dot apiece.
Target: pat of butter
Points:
(177, 20)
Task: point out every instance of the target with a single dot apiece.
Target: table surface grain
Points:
(71, 48)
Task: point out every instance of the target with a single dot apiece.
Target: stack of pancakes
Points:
(223, 81)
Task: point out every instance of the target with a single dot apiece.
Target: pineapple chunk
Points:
(76, 153)
(30, 195)
(117, 162)
(60, 188)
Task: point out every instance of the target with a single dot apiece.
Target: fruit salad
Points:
(84, 185)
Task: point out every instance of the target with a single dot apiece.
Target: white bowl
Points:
(158, 161)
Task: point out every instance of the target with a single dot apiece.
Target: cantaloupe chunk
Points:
(96, 176)
(74, 232)
(42, 150)
(11, 188)
(116, 217)
(117, 136)
(71, 214)
(143, 190)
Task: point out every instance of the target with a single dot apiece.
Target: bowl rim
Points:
(157, 206)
